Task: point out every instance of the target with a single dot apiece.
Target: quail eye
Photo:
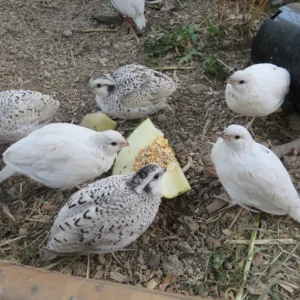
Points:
(237, 137)
(114, 144)
(241, 81)
(156, 176)
(99, 85)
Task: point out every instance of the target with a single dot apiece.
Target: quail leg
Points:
(130, 24)
(249, 126)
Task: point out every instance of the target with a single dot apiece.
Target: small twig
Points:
(12, 240)
(36, 220)
(116, 259)
(72, 55)
(133, 32)
(236, 217)
(226, 66)
(173, 68)
(239, 295)
(263, 242)
(88, 267)
(97, 30)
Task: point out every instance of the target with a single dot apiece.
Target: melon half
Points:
(148, 145)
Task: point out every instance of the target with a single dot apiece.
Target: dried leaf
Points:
(117, 276)
(99, 274)
(210, 171)
(286, 287)
(169, 279)
(227, 232)
(152, 284)
(7, 212)
(241, 263)
(213, 242)
(255, 289)
(215, 206)
(258, 260)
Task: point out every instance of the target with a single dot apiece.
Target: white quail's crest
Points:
(107, 215)
(132, 91)
(22, 112)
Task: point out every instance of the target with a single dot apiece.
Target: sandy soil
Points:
(184, 251)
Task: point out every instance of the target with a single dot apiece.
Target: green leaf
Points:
(211, 27)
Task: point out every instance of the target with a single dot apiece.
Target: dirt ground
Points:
(185, 249)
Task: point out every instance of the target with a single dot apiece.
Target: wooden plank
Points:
(26, 283)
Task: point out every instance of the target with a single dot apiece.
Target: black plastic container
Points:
(278, 42)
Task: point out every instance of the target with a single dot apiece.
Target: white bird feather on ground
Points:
(253, 175)
(63, 155)
(22, 112)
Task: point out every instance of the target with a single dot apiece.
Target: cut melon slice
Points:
(148, 145)
(98, 121)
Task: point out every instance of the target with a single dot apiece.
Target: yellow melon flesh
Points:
(98, 121)
(148, 145)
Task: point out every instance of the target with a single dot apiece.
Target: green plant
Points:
(211, 27)
(178, 38)
(214, 67)
(224, 262)
(188, 57)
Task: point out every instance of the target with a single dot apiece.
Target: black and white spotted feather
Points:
(132, 91)
(107, 215)
(22, 112)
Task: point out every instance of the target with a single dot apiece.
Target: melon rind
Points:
(173, 182)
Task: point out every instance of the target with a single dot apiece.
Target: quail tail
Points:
(6, 173)
(295, 214)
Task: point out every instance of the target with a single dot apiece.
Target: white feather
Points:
(253, 175)
(262, 91)
(133, 9)
(62, 155)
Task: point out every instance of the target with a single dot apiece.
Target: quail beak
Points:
(89, 81)
(229, 80)
(124, 143)
(223, 135)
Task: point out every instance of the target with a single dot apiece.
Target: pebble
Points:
(294, 122)
(67, 33)
(101, 259)
(154, 261)
(13, 193)
(47, 75)
(172, 265)
(197, 88)
(226, 44)
(117, 276)
(191, 225)
(185, 247)
(104, 60)
(161, 118)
